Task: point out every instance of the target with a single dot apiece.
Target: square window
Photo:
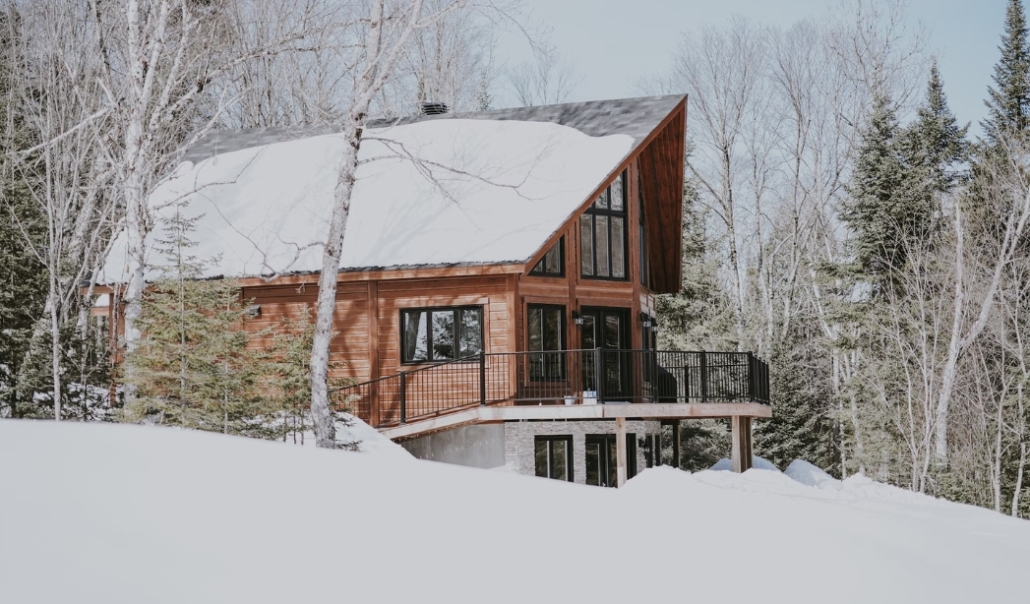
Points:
(430, 335)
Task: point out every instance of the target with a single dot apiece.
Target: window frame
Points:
(549, 439)
(560, 244)
(593, 212)
(563, 329)
(429, 360)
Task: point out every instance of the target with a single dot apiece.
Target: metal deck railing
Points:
(558, 377)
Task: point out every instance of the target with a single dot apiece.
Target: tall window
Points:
(553, 457)
(441, 334)
(546, 339)
(553, 262)
(602, 234)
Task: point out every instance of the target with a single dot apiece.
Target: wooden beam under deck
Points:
(485, 414)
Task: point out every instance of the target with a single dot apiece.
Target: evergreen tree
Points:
(23, 278)
(881, 210)
(194, 366)
(700, 315)
(935, 144)
(1008, 101)
(804, 424)
(22, 296)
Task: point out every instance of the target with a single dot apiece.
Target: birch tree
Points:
(382, 37)
(56, 99)
(159, 57)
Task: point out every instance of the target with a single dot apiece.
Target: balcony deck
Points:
(501, 413)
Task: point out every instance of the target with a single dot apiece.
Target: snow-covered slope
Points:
(430, 193)
(109, 513)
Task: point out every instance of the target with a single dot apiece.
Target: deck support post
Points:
(740, 427)
(620, 451)
(676, 443)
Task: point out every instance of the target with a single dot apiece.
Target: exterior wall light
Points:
(577, 318)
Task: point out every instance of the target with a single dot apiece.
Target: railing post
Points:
(482, 377)
(599, 373)
(751, 376)
(704, 377)
(404, 408)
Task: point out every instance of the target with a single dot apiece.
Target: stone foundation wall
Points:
(519, 452)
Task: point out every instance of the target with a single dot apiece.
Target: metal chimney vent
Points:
(434, 108)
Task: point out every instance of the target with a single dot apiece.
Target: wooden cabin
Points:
(496, 302)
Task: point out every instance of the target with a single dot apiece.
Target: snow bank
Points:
(811, 475)
(115, 513)
(428, 193)
(758, 463)
(366, 438)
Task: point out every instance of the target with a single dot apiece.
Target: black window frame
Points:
(429, 333)
(607, 458)
(560, 245)
(549, 440)
(542, 366)
(593, 212)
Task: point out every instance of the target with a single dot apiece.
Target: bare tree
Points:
(381, 38)
(545, 80)
(56, 98)
(160, 61)
(721, 72)
(1010, 192)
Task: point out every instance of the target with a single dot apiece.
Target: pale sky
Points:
(612, 43)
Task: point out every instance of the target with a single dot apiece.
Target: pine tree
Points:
(22, 295)
(935, 144)
(879, 208)
(194, 366)
(700, 315)
(1008, 103)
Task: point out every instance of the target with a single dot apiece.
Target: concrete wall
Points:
(519, 438)
(478, 446)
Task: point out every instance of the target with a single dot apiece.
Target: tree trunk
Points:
(55, 350)
(321, 414)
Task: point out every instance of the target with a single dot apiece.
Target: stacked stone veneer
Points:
(519, 452)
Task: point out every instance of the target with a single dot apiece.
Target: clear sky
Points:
(612, 43)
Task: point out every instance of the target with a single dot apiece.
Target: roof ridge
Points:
(634, 116)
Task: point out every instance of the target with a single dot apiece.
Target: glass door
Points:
(601, 459)
(607, 329)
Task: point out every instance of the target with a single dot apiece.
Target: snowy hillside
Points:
(112, 513)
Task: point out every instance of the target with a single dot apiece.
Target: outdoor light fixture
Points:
(577, 318)
(645, 319)
(254, 311)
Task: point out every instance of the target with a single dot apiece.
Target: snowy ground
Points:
(114, 513)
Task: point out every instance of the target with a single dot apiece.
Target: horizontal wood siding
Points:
(282, 305)
(489, 291)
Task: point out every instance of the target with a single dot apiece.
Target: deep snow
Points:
(116, 513)
(428, 193)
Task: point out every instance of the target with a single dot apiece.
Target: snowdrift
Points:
(112, 513)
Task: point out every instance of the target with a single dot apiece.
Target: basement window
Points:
(602, 234)
(553, 262)
(553, 457)
(431, 335)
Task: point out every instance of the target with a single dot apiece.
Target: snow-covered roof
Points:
(484, 188)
